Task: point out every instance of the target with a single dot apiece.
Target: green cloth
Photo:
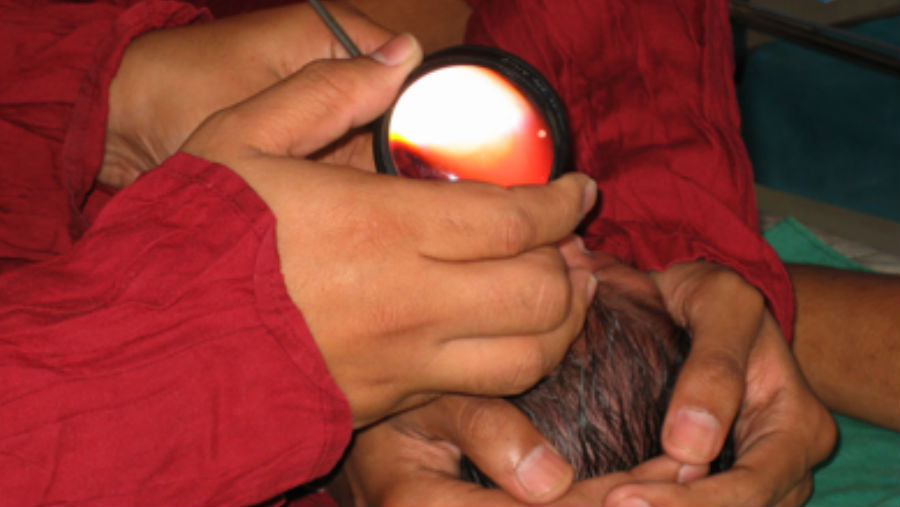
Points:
(797, 244)
(824, 127)
(865, 468)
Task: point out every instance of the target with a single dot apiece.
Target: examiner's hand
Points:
(413, 459)
(170, 80)
(411, 288)
(739, 369)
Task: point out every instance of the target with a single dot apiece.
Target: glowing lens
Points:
(469, 122)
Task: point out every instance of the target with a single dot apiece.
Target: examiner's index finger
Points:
(468, 221)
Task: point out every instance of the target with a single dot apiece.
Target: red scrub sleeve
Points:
(160, 361)
(648, 85)
(58, 60)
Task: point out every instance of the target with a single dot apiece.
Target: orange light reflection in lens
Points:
(469, 122)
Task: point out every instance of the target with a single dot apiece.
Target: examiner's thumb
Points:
(316, 105)
(503, 444)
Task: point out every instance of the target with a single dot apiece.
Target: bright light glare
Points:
(458, 108)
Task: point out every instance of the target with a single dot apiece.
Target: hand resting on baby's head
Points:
(604, 405)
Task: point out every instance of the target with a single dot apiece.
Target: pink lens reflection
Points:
(467, 122)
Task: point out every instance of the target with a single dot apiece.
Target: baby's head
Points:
(603, 406)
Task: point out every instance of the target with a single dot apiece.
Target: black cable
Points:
(335, 28)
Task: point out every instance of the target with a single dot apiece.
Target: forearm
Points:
(847, 340)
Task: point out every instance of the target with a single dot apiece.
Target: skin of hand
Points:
(170, 80)
(411, 288)
(413, 459)
(781, 430)
(754, 368)
(739, 369)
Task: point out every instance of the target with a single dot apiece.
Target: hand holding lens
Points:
(471, 113)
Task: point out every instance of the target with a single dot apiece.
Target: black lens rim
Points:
(525, 77)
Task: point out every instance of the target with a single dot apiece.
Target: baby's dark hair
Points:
(603, 406)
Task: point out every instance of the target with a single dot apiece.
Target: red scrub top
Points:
(149, 353)
(649, 88)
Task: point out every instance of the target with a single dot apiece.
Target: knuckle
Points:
(517, 231)
(702, 290)
(231, 122)
(548, 297)
(367, 229)
(391, 318)
(728, 282)
(321, 73)
(625, 491)
(721, 369)
(475, 421)
(527, 366)
(332, 85)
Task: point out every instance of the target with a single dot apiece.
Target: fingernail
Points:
(632, 502)
(579, 242)
(695, 431)
(395, 51)
(542, 471)
(688, 473)
(591, 287)
(590, 198)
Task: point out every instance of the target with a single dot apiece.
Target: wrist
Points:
(130, 102)
(141, 73)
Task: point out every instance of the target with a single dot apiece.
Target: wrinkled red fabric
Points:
(150, 355)
(649, 90)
